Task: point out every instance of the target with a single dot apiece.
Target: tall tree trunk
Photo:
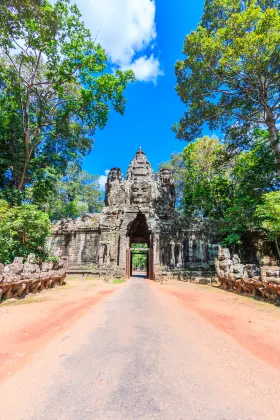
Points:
(277, 248)
(23, 175)
(274, 141)
(26, 162)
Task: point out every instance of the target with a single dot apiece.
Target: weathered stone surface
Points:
(249, 278)
(18, 260)
(19, 279)
(31, 268)
(138, 209)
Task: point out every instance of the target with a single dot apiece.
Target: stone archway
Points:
(139, 233)
(138, 230)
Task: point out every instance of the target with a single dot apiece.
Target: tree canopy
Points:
(229, 78)
(226, 187)
(76, 194)
(56, 89)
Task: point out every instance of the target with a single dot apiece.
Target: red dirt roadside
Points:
(151, 350)
(29, 324)
(255, 325)
(26, 326)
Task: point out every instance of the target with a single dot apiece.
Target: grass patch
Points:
(118, 281)
(24, 301)
(31, 299)
(81, 278)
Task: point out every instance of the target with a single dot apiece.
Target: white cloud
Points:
(146, 69)
(125, 28)
(103, 179)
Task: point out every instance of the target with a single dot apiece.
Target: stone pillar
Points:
(156, 249)
(190, 254)
(108, 256)
(180, 254)
(124, 244)
(69, 245)
(172, 262)
(81, 244)
(101, 254)
(201, 251)
(156, 254)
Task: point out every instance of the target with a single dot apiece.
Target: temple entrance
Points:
(139, 260)
(139, 255)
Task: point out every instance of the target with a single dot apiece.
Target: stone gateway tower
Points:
(139, 209)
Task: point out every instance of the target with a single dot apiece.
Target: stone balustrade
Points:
(20, 278)
(248, 279)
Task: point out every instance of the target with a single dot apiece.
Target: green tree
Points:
(226, 187)
(55, 89)
(229, 77)
(269, 215)
(207, 186)
(253, 174)
(139, 260)
(76, 194)
(23, 230)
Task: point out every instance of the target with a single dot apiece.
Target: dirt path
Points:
(255, 325)
(147, 351)
(27, 325)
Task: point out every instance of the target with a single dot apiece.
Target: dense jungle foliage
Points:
(228, 187)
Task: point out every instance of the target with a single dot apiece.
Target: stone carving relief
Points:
(115, 191)
(140, 169)
(165, 200)
(20, 278)
(247, 278)
(140, 194)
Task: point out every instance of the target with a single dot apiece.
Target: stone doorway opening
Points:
(139, 256)
(139, 260)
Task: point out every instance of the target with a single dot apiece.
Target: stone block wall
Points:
(21, 278)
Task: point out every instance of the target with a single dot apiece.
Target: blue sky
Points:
(146, 35)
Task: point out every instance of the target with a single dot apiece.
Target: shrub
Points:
(23, 230)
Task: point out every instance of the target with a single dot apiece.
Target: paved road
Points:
(145, 357)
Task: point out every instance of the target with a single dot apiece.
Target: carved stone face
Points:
(115, 174)
(141, 158)
(141, 193)
(166, 176)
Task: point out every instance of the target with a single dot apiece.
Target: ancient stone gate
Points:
(138, 209)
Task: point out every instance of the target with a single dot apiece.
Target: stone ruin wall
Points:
(19, 278)
(188, 252)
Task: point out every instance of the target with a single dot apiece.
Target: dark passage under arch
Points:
(139, 234)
